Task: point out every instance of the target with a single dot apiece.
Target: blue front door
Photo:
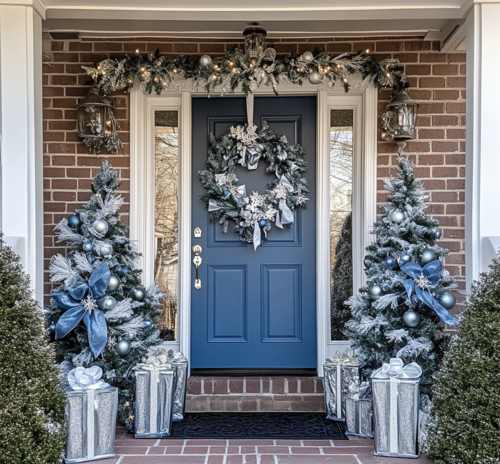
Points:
(255, 309)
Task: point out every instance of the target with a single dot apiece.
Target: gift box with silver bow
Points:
(358, 411)
(340, 371)
(180, 364)
(154, 396)
(395, 406)
(91, 407)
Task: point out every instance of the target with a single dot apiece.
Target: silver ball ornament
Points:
(375, 292)
(390, 262)
(307, 57)
(123, 347)
(106, 303)
(428, 256)
(448, 300)
(138, 294)
(411, 318)
(367, 263)
(205, 61)
(114, 282)
(397, 217)
(404, 258)
(315, 78)
(100, 226)
(87, 247)
(437, 233)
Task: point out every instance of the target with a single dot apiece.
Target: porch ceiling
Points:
(282, 18)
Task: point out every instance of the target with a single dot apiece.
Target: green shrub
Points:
(32, 403)
(465, 421)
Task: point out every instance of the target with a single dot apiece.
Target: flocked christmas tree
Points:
(101, 314)
(464, 424)
(32, 407)
(402, 310)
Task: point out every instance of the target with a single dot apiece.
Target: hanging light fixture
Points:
(399, 119)
(94, 116)
(255, 40)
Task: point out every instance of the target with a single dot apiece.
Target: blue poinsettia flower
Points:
(81, 303)
(423, 278)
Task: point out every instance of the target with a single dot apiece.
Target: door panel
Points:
(255, 309)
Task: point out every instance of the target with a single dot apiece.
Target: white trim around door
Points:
(142, 110)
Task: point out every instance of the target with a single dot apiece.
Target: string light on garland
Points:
(238, 69)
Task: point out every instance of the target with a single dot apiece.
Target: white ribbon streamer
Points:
(286, 214)
(213, 205)
(256, 235)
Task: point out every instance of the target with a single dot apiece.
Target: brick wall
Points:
(437, 82)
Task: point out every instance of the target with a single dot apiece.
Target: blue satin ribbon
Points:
(94, 319)
(433, 272)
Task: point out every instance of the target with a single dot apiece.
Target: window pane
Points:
(167, 217)
(341, 170)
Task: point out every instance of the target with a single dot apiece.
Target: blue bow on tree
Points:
(422, 278)
(81, 303)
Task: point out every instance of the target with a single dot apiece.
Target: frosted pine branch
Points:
(61, 270)
(121, 311)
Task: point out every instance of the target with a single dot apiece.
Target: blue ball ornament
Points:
(87, 247)
(262, 223)
(428, 256)
(52, 327)
(225, 193)
(121, 271)
(106, 303)
(74, 220)
(148, 324)
(438, 233)
(404, 258)
(123, 347)
(390, 262)
(91, 258)
(448, 300)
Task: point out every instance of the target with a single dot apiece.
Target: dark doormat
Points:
(274, 425)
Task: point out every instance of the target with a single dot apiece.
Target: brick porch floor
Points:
(175, 451)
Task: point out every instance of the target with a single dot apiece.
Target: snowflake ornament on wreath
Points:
(255, 213)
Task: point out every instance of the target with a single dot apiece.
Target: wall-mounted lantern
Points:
(399, 119)
(255, 40)
(94, 118)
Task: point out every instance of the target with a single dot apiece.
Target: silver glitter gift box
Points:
(395, 405)
(359, 411)
(154, 397)
(180, 363)
(340, 371)
(91, 407)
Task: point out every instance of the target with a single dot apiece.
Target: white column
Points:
(482, 211)
(21, 201)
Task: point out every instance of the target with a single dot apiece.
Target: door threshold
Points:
(244, 372)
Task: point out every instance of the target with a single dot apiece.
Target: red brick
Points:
(455, 107)
(431, 82)
(331, 47)
(447, 120)
(444, 69)
(442, 147)
(418, 69)
(455, 82)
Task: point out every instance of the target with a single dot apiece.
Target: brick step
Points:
(255, 394)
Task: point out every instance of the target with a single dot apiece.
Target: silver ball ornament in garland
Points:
(397, 217)
(375, 291)
(138, 294)
(315, 78)
(100, 226)
(307, 57)
(123, 347)
(74, 220)
(114, 282)
(428, 256)
(87, 247)
(411, 318)
(106, 303)
(205, 61)
(447, 300)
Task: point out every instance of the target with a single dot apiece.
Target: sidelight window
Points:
(341, 233)
(166, 220)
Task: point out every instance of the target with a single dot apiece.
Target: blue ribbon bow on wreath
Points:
(422, 278)
(81, 303)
